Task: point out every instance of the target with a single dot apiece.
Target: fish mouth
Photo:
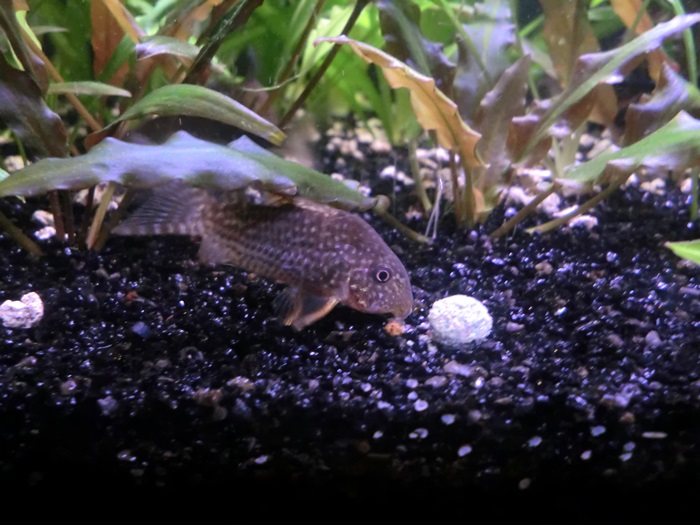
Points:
(404, 311)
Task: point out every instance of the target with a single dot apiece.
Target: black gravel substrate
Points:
(149, 372)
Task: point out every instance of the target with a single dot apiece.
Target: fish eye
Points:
(382, 274)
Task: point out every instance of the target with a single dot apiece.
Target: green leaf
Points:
(166, 45)
(197, 101)
(675, 146)
(183, 157)
(687, 249)
(87, 88)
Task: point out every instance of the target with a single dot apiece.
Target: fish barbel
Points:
(325, 255)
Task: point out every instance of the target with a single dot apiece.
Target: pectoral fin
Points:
(296, 309)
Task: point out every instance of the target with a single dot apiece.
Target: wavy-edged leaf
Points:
(493, 119)
(687, 249)
(672, 94)
(183, 157)
(87, 87)
(166, 45)
(568, 34)
(433, 109)
(675, 146)
(23, 110)
(594, 68)
(482, 46)
(11, 23)
(197, 101)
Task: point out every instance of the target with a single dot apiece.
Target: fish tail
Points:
(173, 209)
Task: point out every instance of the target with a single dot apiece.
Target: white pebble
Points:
(447, 419)
(654, 435)
(25, 313)
(420, 405)
(261, 459)
(458, 320)
(597, 430)
(464, 450)
(534, 441)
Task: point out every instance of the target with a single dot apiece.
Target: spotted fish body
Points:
(326, 256)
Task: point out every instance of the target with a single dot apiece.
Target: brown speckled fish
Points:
(327, 256)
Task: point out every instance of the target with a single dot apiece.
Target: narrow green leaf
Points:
(183, 157)
(687, 249)
(198, 101)
(675, 146)
(166, 45)
(87, 88)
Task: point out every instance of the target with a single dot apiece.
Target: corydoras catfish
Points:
(325, 255)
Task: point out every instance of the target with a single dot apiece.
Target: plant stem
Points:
(359, 6)
(551, 225)
(415, 172)
(469, 206)
(524, 212)
(100, 215)
(456, 192)
(381, 210)
(114, 220)
(694, 193)
(19, 236)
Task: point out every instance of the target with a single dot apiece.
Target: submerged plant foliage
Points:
(500, 90)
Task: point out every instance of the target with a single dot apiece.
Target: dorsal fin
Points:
(173, 209)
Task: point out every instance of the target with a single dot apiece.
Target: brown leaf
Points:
(628, 11)
(568, 34)
(432, 108)
(519, 134)
(106, 35)
(24, 111)
(493, 120)
(672, 94)
(491, 35)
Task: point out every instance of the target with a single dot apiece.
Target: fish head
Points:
(380, 285)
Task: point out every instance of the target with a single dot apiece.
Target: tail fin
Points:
(173, 209)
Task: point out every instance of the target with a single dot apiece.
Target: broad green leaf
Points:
(87, 88)
(183, 157)
(594, 68)
(687, 249)
(166, 45)
(197, 101)
(433, 109)
(675, 146)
